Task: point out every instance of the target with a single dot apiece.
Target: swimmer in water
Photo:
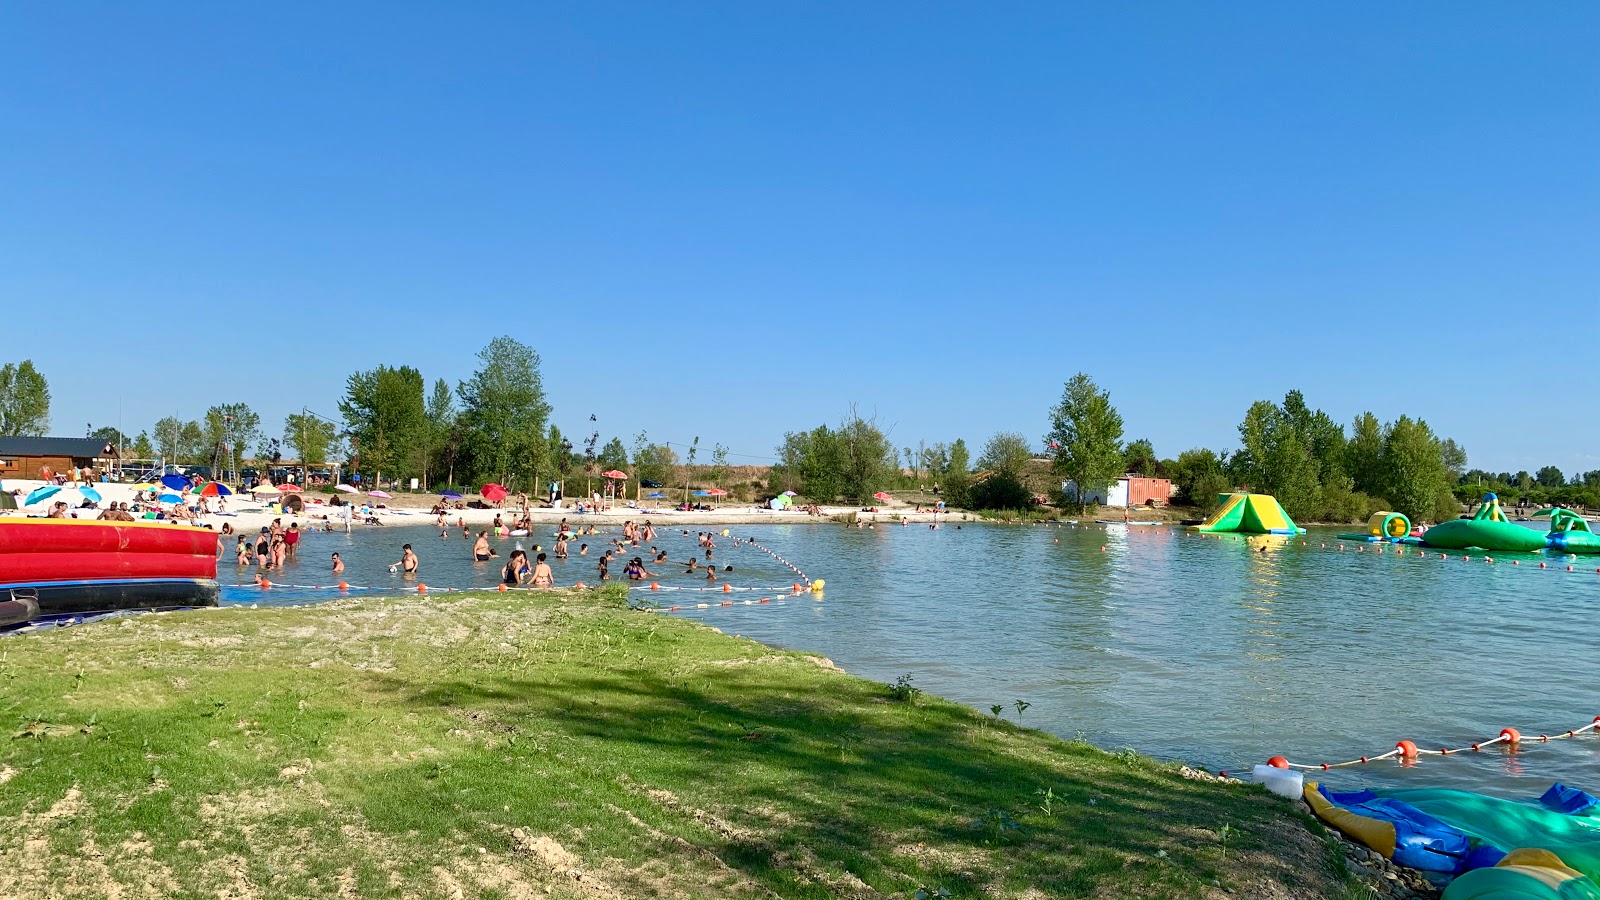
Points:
(480, 547)
(542, 576)
(515, 569)
(338, 565)
(583, 549)
(408, 561)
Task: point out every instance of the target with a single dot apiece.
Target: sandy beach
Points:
(247, 515)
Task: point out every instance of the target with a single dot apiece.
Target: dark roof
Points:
(74, 448)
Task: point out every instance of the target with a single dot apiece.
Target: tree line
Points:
(495, 426)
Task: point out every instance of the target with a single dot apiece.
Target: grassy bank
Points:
(561, 745)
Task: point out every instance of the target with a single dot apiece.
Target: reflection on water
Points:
(1203, 649)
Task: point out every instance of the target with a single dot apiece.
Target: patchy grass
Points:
(562, 745)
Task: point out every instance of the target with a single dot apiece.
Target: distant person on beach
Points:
(338, 565)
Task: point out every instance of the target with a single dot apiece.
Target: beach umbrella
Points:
(656, 496)
(493, 493)
(701, 494)
(213, 489)
(43, 493)
(613, 473)
(264, 489)
(882, 495)
(170, 498)
(90, 494)
(143, 486)
(289, 488)
(381, 494)
(346, 489)
(450, 495)
(176, 482)
(717, 492)
(788, 494)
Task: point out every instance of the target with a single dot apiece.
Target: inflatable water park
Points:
(1242, 512)
(1544, 848)
(1488, 529)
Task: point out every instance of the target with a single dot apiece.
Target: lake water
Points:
(1182, 647)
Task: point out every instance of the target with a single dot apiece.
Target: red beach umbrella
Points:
(494, 493)
(621, 476)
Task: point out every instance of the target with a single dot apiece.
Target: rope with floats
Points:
(1407, 750)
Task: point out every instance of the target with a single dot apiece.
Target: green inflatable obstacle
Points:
(1569, 532)
(1245, 513)
(1487, 530)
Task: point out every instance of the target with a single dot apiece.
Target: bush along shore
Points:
(563, 745)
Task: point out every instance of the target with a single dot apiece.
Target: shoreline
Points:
(247, 516)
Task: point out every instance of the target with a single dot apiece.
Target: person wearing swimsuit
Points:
(515, 570)
(480, 547)
(542, 576)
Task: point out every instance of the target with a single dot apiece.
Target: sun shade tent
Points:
(1246, 513)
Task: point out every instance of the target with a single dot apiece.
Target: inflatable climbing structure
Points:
(1246, 513)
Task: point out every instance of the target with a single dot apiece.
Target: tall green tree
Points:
(1275, 459)
(1085, 437)
(24, 400)
(1139, 458)
(385, 415)
(1416, 482)
(653, 462)
(1550, 477)
(1323, 437)
(1455, 458)
(504, 412)
(1200, 477)
(810, 464)
(440, 413)
(1364, 455)
(613, 456)
(182, 443)
(1006, 454)
(957, 475)
(311, 437)
(139, 448)
(229, 425)
(866, 457)
(109, 434)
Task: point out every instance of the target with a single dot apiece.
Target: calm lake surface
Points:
(1179, 646)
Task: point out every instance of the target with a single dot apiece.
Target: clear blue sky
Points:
(733, 220)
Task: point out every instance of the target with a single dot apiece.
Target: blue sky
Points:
(734, 220)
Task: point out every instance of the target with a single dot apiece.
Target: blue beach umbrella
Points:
(450, 495)
(44, 493)
(90, 494)
(656, 496)
(176, 482)
(701, 494)
(170, 498)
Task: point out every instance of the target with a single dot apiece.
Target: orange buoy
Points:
(765, 600)
(579, 585)
(1541, 565)
(1278, 762)
(344, 586)
(1408, 750)
(422, 589)
(726, 588)
(795, 587)
(501, 588)
(654, 586)
(1511, 735)
(264, 584)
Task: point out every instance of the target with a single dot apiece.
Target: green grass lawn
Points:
(516, 745)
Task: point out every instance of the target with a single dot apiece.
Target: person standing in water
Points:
(338, 565)
(480, 547)
(515, 570)
(408, 561)
(542, 576)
